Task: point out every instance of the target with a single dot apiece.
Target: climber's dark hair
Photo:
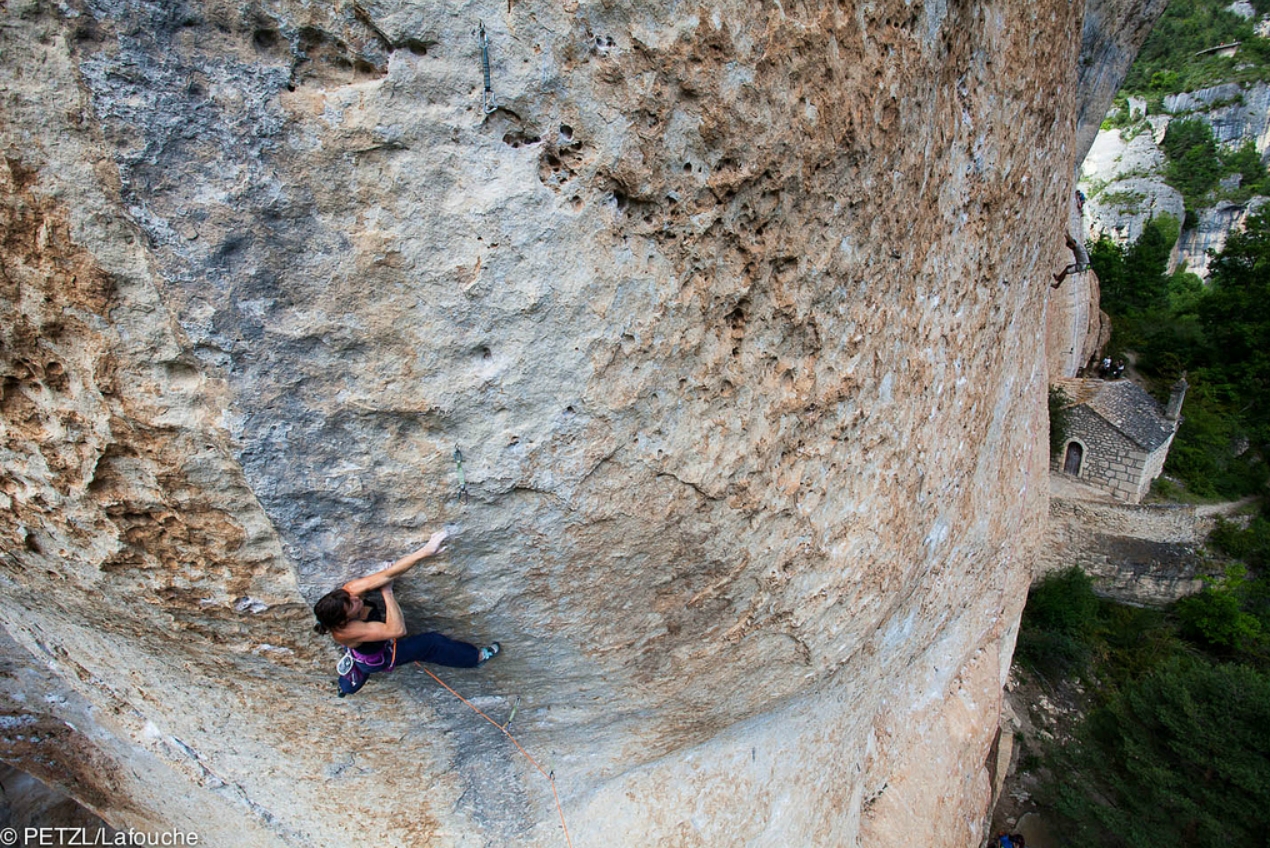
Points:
(330, 611)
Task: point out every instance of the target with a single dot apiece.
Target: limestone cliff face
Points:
(1123, 173)
(732, 310)
(1112, 33)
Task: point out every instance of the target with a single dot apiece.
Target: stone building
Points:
(1118, 436)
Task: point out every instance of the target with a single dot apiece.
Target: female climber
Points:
(364, 617)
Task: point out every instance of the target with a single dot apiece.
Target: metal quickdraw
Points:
(487, 101)
(458, 461)
(515, 706)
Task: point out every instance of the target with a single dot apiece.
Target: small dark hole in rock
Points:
(265, 39)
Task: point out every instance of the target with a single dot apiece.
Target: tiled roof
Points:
(1125, 406)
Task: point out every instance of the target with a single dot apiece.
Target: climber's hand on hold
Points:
(381, 578)
(434, 545)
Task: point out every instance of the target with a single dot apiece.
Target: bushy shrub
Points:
(1250, 545)
(1058, 621)
(1215, 617)
(1204, 453)
(1194, 166)
(1246, 163)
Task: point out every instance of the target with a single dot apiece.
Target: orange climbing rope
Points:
(550, 776)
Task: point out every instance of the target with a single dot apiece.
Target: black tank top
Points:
(374, 601)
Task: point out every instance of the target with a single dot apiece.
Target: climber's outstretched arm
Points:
(382, 578)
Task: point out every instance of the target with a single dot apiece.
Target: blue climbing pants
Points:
(436, 649)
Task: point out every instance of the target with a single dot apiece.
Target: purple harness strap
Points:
(377, 660)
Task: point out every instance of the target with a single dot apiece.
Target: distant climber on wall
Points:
(364, 617)
(1077, 248)
(1080, 265)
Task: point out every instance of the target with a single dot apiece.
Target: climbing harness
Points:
(458, 461)
(355, 668)
(487, 100)
(551, 776)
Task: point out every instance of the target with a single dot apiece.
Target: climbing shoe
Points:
(488, 653)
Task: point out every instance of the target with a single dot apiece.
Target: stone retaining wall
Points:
(1138, 554)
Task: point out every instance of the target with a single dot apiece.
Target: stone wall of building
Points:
(1153, 467)
(1101, 447)
(1111, 460)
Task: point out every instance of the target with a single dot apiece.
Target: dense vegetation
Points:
(1175, 749)
(1205, 172)
(1217, 335)
(1168, 64)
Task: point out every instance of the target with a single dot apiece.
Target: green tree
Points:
(1249, 546)
(1133, 279)
(1216, 616)
(1171, 59)
(1058, 623)
(1219, 335)
(1246, 162)
(1206, 452)
(1236, 319)
(1107, 258)
(1180, 757)
(1193, 166)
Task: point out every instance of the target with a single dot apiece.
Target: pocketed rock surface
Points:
(736, 314)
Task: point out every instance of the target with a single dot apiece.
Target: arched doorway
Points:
(1071, 463)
